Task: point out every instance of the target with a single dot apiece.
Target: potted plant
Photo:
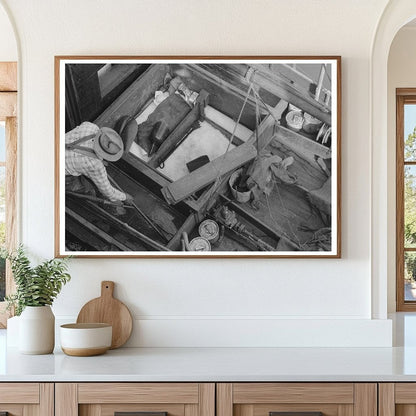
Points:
(36, 289)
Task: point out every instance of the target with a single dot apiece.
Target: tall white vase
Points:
(37, 330)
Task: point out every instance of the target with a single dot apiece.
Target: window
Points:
(406, 199)
(8, 165)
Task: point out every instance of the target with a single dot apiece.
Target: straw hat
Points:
(127, 128)
(108, 145)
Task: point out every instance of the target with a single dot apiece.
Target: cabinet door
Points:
(26, 399)
(397, 399)
(297, 399)
(142, 399)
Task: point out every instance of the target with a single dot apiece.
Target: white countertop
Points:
(222, 364)
(215, 364)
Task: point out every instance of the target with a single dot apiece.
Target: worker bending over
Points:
(86, 146)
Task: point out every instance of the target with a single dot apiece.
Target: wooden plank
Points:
(330, 409)
(290, 93)
(94, 229)
(187, 226)
(19, 393)
(294, 76)
(226, 97)
(365, 399)
(170, 409)
(224, 399)
(405, 393)
(8, 76)
(340, 393)
(305, 148)
(47, 399)
(14, 409)
(386, 399)
(191, 410)
(246, 410)
(405, 410)
(173, 140)
(132, 231)
(272, 232)
(207, 399)
(406, 91)
(8, 105)
(345, 410)
(91, 410)
(30, 410)
(198, 179)
(66, 399)
(138, 393)
(131, 101)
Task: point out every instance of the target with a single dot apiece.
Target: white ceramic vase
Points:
(37, 330)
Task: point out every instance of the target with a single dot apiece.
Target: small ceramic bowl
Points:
(84, 340)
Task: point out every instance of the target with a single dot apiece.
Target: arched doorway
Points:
(396, 15)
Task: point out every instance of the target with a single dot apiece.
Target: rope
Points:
(221, 168)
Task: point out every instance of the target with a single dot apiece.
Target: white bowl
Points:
(83, 340)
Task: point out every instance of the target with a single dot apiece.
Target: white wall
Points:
(401, 74)
(8, 47)
(199, 302)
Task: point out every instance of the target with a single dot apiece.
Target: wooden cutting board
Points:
(107, 309)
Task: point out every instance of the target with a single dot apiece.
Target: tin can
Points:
(210, 230)
(199, 244)
(294, 120)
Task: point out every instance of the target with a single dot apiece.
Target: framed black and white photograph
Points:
(198, 156)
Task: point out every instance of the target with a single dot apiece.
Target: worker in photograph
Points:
(87, 147)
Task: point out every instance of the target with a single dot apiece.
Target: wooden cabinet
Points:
(397, 399)
(105, 399)
(208, 399)
(262, 399)
(27, 399)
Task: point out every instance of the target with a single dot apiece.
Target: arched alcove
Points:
(396, 15)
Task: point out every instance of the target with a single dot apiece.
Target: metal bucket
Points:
(209, 230)
(238, 196)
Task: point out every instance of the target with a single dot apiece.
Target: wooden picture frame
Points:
(221, 156)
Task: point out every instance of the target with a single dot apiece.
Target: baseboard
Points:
(254, 332)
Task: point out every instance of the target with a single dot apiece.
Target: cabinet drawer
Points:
(147, 399)
(397, 399)
(21, 399)
(296, 399)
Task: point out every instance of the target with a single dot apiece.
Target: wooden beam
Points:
(187, 226)
(131, 101)
(66, 399)
(8, 76)
(173, 140)
(8, 105)
(132, 231)
(290, 93)
(198, 179)
(302, 146)
(94, 229)
(272, 232)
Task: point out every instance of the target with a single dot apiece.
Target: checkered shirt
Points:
(77, 164)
